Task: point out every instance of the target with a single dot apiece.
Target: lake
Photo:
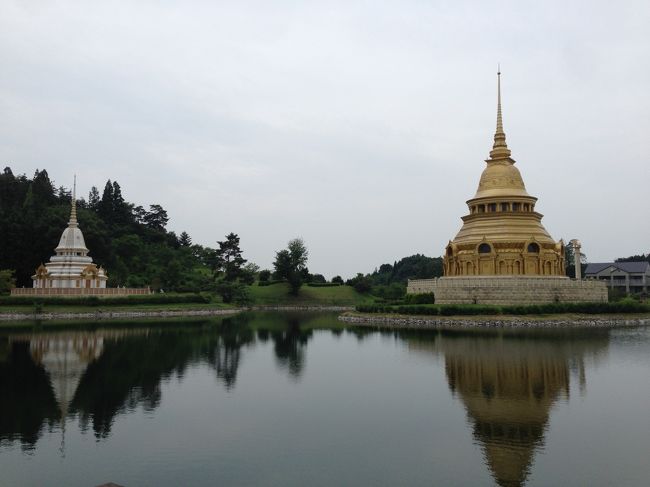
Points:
(277, 399)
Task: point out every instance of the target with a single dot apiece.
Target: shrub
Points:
(425, 298)
(168, 298)
(270, 283)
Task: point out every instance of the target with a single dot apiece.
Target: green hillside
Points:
(278, 294)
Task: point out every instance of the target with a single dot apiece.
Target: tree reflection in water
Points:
(507, 381)
(46, 378)
(290, 345)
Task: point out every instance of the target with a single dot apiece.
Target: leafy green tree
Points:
(156, 218)
(291, 264)
(337, 280)
(229, 269)
(7, 281)
(249, 273)
(362, 284)
(265, 275)
(569, 261)
(318, 278)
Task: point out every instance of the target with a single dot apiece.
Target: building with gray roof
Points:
(629, 277)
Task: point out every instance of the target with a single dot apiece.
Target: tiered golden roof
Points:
(503, 234)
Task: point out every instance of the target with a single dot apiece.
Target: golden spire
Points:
(500, 148)
(73, 209)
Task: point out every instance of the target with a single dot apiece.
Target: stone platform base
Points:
(508, 290)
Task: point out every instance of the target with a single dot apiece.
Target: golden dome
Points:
(501, 178)
(503, 234)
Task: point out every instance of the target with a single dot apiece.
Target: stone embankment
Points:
(301, 308)
(108, 315)
(424, 323)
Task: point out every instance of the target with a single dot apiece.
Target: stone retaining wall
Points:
(442, 323)
(510, 290)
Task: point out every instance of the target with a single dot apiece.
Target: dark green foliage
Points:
(7, 281)
(393, 291)
(229, 258)
(270, 283)
(338, 280)
(424, 298)
(233, 292)
(230, 271)
(323, 284)
(414, 267)
(265, 275)
(156, 218)
(129, 242)
(635, 258)
(317, 279)
(389, 281)
(291, 264)
(362, 284)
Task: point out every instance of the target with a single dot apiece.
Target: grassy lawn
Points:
(278, 294)
(274, 295)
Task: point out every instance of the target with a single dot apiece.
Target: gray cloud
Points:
(361, 127)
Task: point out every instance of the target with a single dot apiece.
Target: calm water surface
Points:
(297, 399)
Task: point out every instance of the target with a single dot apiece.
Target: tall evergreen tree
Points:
(93, 198)
(105, 205)
(185, 240)
(229, 258)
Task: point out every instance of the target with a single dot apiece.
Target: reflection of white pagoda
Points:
(65, 358)
(71, 267)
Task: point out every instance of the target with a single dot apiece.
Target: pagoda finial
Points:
(500, 148)
(73, 208)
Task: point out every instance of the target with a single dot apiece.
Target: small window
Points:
(484, 248)
(533, 248)
(492, 207)
(481, 208)
(504, 206)
(515, 206)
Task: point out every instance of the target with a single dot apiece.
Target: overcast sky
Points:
(360, 126)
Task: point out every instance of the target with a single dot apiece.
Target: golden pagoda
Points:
(503, 235)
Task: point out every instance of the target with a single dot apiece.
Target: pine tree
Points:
(93, 198)
(185, 240)
(105, 205)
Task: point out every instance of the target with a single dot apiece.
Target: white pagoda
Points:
(71, 267)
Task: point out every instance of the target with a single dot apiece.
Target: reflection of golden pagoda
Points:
(508, 387)
(503, 234)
